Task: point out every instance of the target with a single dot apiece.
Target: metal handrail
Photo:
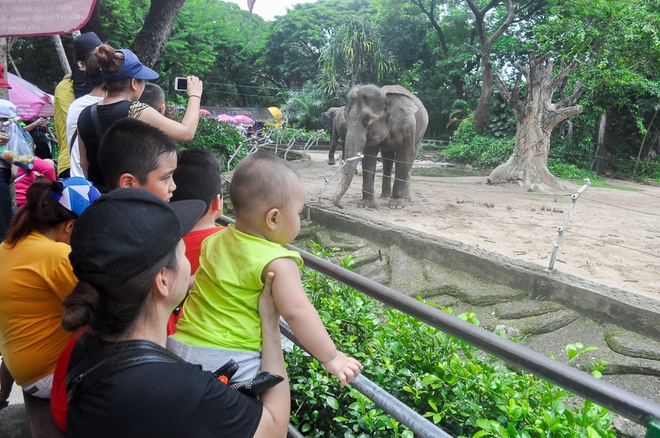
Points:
(620, 401)
(387, 402)
(613, 398)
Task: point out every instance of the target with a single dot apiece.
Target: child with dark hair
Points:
(133, 153)
(221, 320)
(198, 176)
(154, 96)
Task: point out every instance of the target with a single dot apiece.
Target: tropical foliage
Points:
(462, 390)
(429, 46)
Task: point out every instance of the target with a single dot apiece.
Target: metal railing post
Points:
(562, 229)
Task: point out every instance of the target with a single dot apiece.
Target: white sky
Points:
(268, 9)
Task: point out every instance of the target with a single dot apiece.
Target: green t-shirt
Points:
(222, 308)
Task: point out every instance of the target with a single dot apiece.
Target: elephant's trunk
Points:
(346, 179)
(355, 141)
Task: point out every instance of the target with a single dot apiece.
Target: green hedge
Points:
(461, 389)
(481, 152)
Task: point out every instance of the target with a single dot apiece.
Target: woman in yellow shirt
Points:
(36, 277)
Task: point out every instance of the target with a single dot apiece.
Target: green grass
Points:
(605, 185)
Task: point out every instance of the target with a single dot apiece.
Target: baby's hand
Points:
(344, 368)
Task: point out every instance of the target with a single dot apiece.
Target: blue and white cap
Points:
(77, 194)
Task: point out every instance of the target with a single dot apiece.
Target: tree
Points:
(481, 27)
(152, 38)
(304, 107)
(296, 40)
(619, 41)
(536, 116)
(354, 56)
(481, 112)
(117, 21)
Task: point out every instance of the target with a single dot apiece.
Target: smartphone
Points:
(180, 84)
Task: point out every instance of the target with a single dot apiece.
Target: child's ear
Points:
(216, 204)
(126, 180)
(272, 218)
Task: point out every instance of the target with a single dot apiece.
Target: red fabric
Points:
(59, 403)
(193, 242)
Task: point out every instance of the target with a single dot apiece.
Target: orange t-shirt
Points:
(36, 277)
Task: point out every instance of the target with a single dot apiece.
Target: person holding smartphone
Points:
(124, 77)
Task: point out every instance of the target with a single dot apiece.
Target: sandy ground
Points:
(613, 236)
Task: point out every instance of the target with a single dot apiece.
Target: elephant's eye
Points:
(366, 120)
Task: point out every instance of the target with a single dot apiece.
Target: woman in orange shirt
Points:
(37, 276)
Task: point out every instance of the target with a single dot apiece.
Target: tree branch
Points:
(510, 16)
(563, 74)
(431, 14)
(562, 114)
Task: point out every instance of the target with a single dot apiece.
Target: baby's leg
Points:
(211, 359)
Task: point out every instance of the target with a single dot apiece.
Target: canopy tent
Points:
(257, 114)
(245, 120)
(30, 100)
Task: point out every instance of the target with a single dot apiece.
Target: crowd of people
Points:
(123, 302)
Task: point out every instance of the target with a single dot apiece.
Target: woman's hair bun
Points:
(80, 306)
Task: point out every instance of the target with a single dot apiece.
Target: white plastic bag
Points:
(19, 150)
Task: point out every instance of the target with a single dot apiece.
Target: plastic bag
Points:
(19, 150)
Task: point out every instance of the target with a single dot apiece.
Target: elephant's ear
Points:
(399, 106)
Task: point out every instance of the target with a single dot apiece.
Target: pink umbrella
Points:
(226, 118)
(241, 118)
(30, 100)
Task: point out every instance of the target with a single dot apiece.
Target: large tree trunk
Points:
(94, 23)
(483, 107)
(536, 116)
(152, 39)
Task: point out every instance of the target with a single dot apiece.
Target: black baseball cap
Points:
(85, 43)
(127, 232)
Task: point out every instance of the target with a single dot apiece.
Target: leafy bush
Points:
(571, 171)
(462, 390)
(647, 168)
(219, 137)
(469, 147)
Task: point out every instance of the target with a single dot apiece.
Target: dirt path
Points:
(613, 236)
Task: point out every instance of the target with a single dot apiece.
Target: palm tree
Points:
(304, 107)
(354, 56)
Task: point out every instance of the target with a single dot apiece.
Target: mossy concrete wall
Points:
(597, 301)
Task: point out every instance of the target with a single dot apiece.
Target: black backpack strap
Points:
(123, 355)
(96, 121)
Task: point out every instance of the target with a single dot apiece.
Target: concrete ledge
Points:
(597, 301)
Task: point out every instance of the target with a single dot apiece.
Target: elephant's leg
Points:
(403, 171)
(368, 176)
(388, 162)
(333, 148)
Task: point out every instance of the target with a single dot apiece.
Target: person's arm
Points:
(184, 131)
(39, 122)
(45, 167)
(304, 320)
(82, 150)
(276, 400)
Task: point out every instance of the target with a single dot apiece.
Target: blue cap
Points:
(132, 68)
(77, 194)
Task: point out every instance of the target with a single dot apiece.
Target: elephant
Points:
(334, 118)
(391, 120)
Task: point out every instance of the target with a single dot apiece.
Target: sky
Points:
(268, 9)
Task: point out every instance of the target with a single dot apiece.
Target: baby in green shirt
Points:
(221, 318)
